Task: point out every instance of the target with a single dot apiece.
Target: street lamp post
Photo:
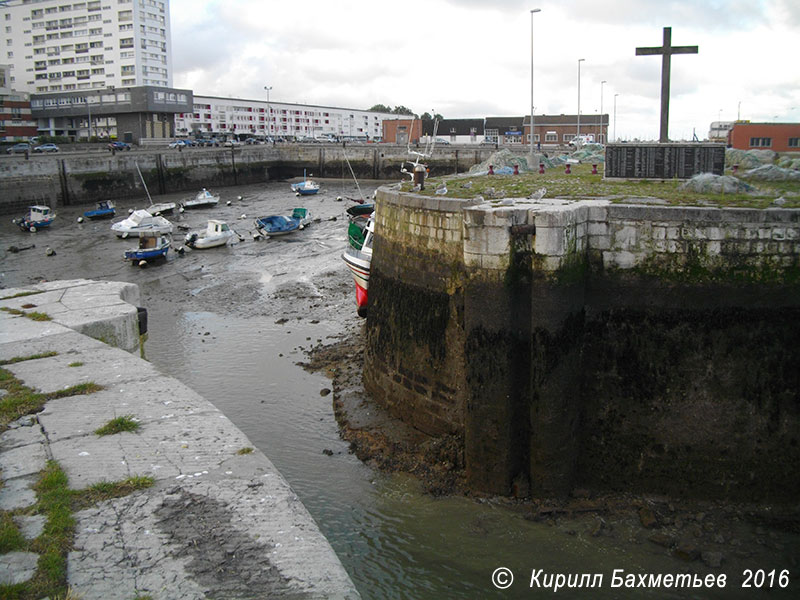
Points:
(269, 116)
(615, 117)
(534, 10)
(602, 83)
(580, 60)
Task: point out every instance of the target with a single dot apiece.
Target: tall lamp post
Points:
(615, 117)
(534, 10)
(580, 60)
(602, 83)
(269, 116)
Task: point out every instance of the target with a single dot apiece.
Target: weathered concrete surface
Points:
(216, 524)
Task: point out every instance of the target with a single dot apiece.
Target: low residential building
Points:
(233, 117)
(780, 137)
(718, 132)
(456, 131)
(558, 130)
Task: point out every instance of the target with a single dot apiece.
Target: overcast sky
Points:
(472, 58)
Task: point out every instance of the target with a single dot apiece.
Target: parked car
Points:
(181, 144)
(119, 146)
(442, 141)
(253, 141)
(46, 148)
(207, 142)
(489, 142)
(20, 148)
(230, 143)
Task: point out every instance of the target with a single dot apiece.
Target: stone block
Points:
(659, 233)
(549, 241)
(713, 248)
(498, 262)
(597, 228)
(625, 238)
(498, 239)
(673, 233)
(600, 242)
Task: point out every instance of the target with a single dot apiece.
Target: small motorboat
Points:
(36, 218)
(305, 187)
(141, 221)
(162, 208)
(274, 225)
(302, 216)
(358, 261)
(152, 245)
(217, 233)
(203, 198)
(105, 210)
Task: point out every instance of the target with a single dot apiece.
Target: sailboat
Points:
(155, 209)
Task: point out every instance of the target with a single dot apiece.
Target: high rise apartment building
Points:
(72, 45)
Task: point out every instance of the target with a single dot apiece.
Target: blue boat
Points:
(273, 225)
(105, 209)
(305, 187)
(151, 246)
(36, 218)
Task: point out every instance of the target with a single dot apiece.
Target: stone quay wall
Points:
(83, 178)
(612, 346)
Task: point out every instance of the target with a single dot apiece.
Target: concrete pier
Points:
(219, 522)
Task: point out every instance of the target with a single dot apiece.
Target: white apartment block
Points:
(258, 118)
(71, 45)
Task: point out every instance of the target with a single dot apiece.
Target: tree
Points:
(402, 110)
(381, 108)
(426, 116)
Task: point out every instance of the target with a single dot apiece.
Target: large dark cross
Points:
(666, 51)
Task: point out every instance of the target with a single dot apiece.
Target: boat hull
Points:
(99, 214)
(137, 255)
(276, 225)
(33, 226)
(359, 264)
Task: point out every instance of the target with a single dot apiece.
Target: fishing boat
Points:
(203, 198)
(305, 187)
(356, 229)
(274, 225)
(36, 218)
(152, 245)
(217, 233)
(358, 261)
(141, 221)
(105, 210)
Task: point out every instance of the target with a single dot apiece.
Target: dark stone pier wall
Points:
(593, 345)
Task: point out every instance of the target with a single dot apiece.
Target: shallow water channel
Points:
(233, 322)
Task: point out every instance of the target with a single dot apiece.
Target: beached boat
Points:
(152, 245)
(274, 225)
(305, 187)
(202, 199)
(36, 218)
(161, 208)
(358, 261)
(141, 221)
(217, 233)
(105, 210)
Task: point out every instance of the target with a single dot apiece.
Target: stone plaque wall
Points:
(663, 161)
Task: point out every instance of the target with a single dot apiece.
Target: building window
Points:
(760, 142)
(794, 142)
(551, 136)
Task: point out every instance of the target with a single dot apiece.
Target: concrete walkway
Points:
(216, 524)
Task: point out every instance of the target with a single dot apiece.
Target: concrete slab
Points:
(21, 436)
(30, 527)
(102, 365)
(22, 461)
(64, 341)
(17, 493)
(17, 567)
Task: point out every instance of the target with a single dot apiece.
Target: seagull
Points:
(441, 189)
(538, 194)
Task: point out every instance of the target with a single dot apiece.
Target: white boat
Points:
(217, 233)
(141, 221)
(203, 198)
(162, 208)
(305, 187)
(358, 261)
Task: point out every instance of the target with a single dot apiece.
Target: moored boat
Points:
(161, 208)
(104, 210)
(152, 245)
(305, 187)
(141, 221)
(203, 198)
(274, 225)
(358, 260)
(217, 233)
(37, 217)
(302, 216)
